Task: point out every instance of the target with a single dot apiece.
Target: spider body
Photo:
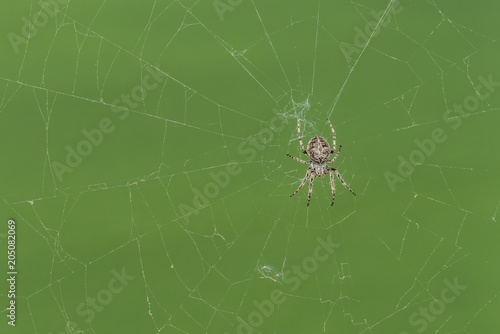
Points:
(319, 151)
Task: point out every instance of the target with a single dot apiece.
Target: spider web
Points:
(179, 219)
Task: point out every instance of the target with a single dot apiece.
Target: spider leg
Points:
(300, 137)
(342, 181)
(334, 136)
(302, 183)
(299, 160)
(336, 155)
(311, 180)
(332, 185)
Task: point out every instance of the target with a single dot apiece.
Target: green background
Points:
(232, 85)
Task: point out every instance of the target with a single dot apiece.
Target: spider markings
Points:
(318, 150)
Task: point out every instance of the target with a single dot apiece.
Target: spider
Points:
(318, 151)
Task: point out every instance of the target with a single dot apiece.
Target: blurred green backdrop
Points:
(144, 145)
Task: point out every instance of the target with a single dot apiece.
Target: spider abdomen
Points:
(318, 149)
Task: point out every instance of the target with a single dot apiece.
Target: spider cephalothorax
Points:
(318, 150)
